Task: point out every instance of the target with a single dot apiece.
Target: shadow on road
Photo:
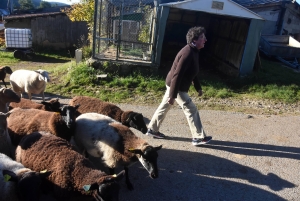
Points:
(188, 175)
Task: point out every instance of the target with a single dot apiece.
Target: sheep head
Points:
(135, 120)
(148, 157)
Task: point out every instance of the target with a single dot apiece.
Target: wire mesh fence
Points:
(124, 30)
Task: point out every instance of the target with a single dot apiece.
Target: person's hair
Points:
(194, 33)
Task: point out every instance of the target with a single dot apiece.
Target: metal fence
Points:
(124, 30)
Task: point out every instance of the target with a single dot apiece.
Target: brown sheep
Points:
(127, 118)
(114, 144)
(73, 177)
(3, 71)
(22, 122)
(51, 105)
(7, 96)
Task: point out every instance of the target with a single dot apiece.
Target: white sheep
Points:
(18, 183)
(114, 144)
(31, 82)
(5, 141)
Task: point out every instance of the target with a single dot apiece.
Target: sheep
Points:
(73, 176)
(127, 118)
(7, 96)
(114, 144)
(31, 82)
(3, 71)
(5, 142)
(51, 105)
(19, 183)
(25, 121)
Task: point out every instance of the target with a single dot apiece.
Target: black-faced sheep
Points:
(5, 142)
(51, 105)
(31, 82)
(3, 71)
(7, 96)
(114, 144)
(127, 118)
(25, 121)
(18, 183)
(72, 175)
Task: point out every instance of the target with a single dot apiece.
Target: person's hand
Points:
(200, 92)
(171, 101)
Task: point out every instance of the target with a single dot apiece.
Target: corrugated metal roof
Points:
(23, 16)
(228, 7)
(260, 2)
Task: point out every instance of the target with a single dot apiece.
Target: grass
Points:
(272, 82)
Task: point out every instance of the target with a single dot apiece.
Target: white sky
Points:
(77, 1)
(64, 1)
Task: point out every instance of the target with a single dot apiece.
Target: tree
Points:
(83, 11)
(45, 4)
(26, 4)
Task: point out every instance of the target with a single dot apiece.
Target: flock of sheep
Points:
(45, 148)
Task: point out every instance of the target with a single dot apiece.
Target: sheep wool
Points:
(5, 142)
(3, 71)
(7, 96)
(31, 82)
(25, 121)
(51, 105)
(17, 181)
(114, 144)
(72, 174)
(127, 118)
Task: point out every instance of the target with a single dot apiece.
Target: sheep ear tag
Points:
(86, 187)
(7, 177)
(43, 171)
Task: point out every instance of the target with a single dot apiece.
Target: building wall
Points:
(291, 21)
(57, 32)
(271, 15)
(52, 32)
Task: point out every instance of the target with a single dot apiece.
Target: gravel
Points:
(251, 157)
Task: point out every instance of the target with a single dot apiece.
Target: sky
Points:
(67, 1)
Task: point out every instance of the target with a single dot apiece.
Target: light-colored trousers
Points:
(189, 108)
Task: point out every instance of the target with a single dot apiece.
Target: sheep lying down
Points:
(5, 142)
(7, 96)
(25, 121)
(51, 105)
(114, 144)
(19, 183)
(73, 177)
(95, 105)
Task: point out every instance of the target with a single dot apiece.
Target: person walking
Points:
(181, 76)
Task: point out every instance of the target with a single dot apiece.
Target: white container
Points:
(18, 38)
(78, 55)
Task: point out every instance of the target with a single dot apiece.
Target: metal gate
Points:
(124, 30)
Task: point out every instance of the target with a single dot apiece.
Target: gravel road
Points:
(251, 158)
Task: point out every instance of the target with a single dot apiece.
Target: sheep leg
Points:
(128, 183)
(43, 96)
(4, 83)
(29, 95)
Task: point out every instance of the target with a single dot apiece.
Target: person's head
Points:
(196, 37)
